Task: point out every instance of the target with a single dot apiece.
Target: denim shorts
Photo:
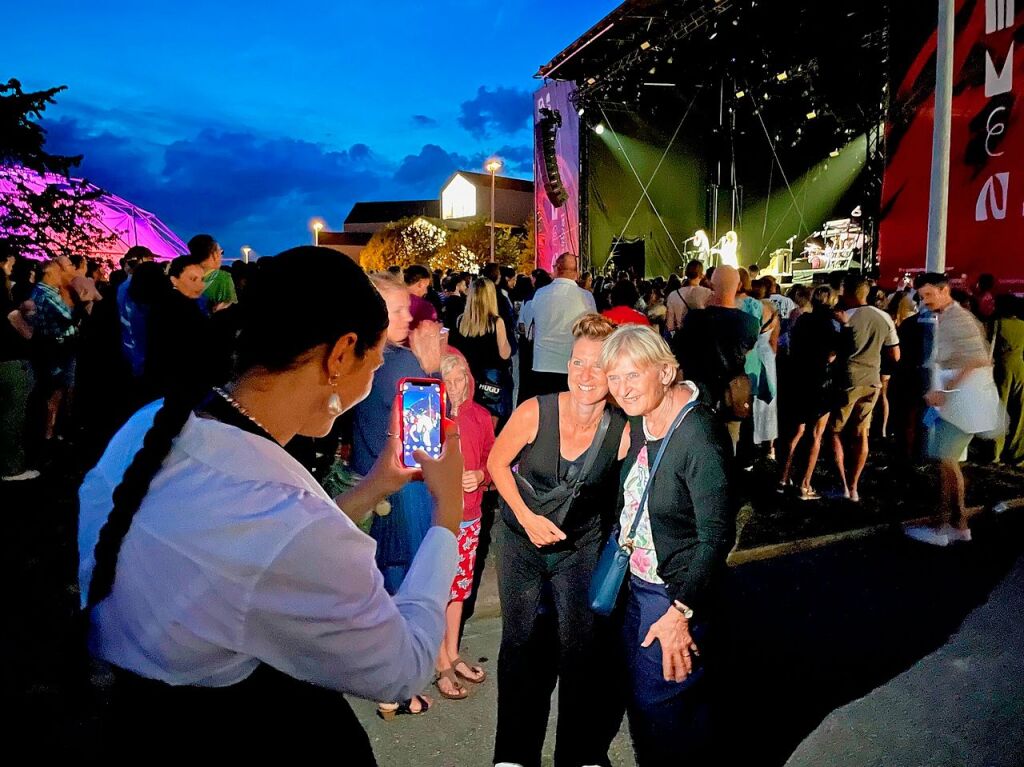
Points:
(946, 442)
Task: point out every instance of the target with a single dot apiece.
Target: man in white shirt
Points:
(555, 309)
(692, 295)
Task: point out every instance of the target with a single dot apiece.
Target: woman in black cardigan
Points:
(680, 548)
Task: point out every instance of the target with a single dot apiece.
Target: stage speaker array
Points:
(547, 128)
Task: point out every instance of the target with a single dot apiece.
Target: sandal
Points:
(461, 692)
(477, 674)
(809, 494)
(403, 708)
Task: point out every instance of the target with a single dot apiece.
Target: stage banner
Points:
(986, 186)
(556, 172)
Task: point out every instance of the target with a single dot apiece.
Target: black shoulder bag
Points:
(556, 502)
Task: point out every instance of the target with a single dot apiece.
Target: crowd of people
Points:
(221, 580)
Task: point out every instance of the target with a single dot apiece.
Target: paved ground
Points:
(810, 633)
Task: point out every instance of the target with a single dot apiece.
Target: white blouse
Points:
(238, 556)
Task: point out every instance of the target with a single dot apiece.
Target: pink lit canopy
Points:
(129, 224)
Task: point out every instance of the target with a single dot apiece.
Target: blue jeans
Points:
(669, 722)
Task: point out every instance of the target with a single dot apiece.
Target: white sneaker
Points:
(30, 474)
(927, 535)
(956, 535)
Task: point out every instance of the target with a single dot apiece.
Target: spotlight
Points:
(834, 153)
(580, 111)
(669, 59)
(713, 35)
(811, 115)
(644, 45)
(740, 94)
(652, 70)
(782, 76)
(599, 129)
(591, 80)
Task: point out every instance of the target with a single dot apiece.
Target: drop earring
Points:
(334, 406)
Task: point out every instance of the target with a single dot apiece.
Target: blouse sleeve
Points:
(320, 612)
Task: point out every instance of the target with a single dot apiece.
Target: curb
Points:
(761, 553)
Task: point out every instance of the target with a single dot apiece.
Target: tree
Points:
(43, 212)
(403, 243)
(476, 237)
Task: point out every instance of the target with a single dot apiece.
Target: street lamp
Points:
(246, 250)
(492, 167)
(317, 226)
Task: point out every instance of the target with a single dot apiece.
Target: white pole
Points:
(492, 214)
(938, 208)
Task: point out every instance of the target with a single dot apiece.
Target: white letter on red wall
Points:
(997, 83)
(991, 202)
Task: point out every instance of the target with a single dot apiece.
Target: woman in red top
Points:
(624, 298)
(477, 437)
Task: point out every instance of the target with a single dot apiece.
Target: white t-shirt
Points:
(556, 307)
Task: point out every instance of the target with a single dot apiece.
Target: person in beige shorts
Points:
(870, 333)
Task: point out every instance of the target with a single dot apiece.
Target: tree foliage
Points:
(43, 212)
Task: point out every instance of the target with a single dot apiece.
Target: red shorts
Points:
(469, 537)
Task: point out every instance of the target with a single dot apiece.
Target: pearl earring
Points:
(334, 405)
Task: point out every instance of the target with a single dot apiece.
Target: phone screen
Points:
(421, 420)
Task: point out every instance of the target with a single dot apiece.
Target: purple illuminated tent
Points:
(129, 224)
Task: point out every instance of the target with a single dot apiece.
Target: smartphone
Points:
(423, 402)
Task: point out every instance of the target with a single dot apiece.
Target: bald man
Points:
(713, 343)
(555, 309)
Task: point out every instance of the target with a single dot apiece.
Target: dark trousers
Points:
(670, 722)
(549, 383)
(549, 634)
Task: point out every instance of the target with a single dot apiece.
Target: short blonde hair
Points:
(387, 281)
(596, 327)
(639, 343)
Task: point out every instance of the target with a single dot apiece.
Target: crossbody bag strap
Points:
(642, 508)
(595, 448)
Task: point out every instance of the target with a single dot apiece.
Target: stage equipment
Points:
(627, 256)
(547, 130)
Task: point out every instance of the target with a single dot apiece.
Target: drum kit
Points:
(831, 249)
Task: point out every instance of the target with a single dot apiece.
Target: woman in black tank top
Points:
(556, 466)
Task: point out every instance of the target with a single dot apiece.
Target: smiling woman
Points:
(679, 540)
(555, 465)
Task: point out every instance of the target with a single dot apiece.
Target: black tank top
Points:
(541, 464)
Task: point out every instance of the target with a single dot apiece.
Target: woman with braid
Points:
(235, 600)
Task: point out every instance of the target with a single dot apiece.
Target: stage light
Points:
(740, 94)
(599, 129)
(644, 45)
(782, 76)
(580, 111)
(713, 35)
(591, 80)
(652, 70)
(834, 153)
(669, 59)
(811, 115)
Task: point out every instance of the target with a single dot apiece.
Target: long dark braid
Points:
(167, 425)
(285, 315)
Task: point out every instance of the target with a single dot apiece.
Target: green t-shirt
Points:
(220, 288)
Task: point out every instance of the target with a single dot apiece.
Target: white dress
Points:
(766, 414)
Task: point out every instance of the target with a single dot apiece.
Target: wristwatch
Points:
(686, 611)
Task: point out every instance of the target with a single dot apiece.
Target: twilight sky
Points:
(246, 121)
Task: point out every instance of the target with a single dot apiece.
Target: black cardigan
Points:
(691, 503)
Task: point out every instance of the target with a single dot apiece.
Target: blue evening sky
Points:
(245, 120)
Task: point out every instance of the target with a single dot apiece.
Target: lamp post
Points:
(492, 167)
(245, 253)
(317, 226)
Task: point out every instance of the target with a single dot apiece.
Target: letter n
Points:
(998, 82)
(990, 200)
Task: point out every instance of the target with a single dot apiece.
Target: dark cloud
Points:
(501, 111)
(422, 121)
(429, 169)
(251, 189)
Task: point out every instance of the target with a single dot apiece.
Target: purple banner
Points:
(556, 172)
